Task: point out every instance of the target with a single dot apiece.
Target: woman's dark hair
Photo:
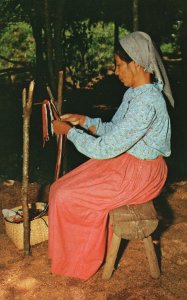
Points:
(121, 53)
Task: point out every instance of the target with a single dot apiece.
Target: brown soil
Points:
(30, 278)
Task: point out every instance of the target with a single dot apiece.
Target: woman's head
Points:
(128, 71)
(139, 49)
(138, 45)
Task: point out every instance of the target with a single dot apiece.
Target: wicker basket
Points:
(38, 229)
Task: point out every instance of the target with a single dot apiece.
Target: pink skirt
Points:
(79, 204)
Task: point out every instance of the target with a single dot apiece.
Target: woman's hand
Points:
(74, 119)
(60, 127)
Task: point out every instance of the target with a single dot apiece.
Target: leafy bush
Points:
(88, 49)
(17, 44)
(167, 48)
(171, 47)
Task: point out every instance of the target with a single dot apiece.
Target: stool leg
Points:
(152, 259)
(111, 257)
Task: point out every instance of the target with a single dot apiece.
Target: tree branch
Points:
(13, 61)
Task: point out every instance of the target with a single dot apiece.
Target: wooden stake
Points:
(27, 108)
(60, 89)
(49, 93)
(61, 110)
(61, 159)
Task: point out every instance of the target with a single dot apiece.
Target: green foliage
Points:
(172, 46)
(101, 51)
(11, 10)
(76, 41)
(170, 49)
(17, 44)
(87, 29)
(167, 48)
(88, 50)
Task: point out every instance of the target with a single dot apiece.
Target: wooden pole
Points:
(49, 93)
(61, 156)
(61, 110)
(135, 15)
(27, 108)
(60, 89)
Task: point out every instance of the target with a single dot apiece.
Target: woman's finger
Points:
(66, 116)
(74, 121)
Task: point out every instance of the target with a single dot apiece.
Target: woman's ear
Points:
(137, 66)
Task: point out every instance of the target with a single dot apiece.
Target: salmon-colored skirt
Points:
(81, 200)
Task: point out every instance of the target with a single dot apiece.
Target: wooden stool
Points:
(133, 222)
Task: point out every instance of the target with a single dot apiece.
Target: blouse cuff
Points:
(87, 123)
(72, 134)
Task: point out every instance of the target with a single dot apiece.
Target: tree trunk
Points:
(40, 66)
(60, 90)
(40, 69)
(27, 108)
(34, 10)
(183, 43)
(116, 33)
(58, 34)
(48, 37)
(135, 15)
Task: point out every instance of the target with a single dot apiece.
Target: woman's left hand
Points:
(60, 127)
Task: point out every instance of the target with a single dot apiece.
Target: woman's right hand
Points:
(74, 119)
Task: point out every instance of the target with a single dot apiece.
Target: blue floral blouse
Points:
(140, 126)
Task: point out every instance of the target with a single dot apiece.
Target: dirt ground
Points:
(30, 278)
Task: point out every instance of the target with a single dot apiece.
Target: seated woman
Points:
(126, 165)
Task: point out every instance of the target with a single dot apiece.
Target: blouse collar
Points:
(149, 86)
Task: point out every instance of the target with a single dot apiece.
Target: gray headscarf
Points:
(141, 49)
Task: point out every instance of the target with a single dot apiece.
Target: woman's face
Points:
(124, 71)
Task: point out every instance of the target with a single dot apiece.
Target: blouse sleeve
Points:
(122, 136)
(101, 127)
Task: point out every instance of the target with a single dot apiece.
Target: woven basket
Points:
(38, 229)
(10, 196)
